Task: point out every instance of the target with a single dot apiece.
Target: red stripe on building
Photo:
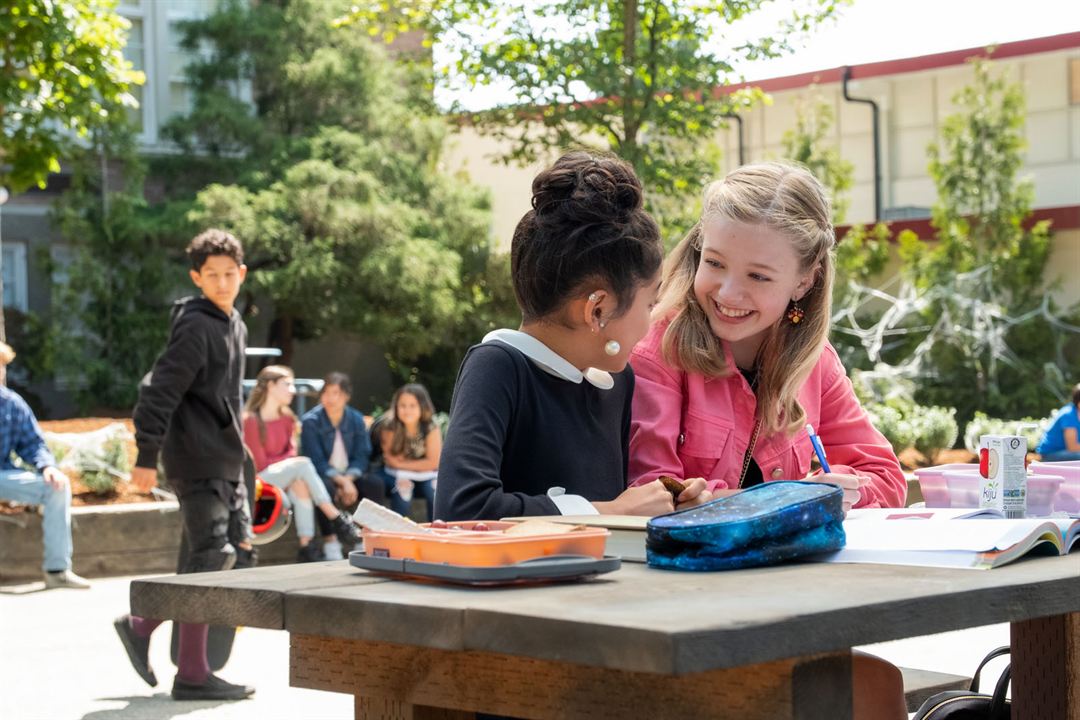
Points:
(1064, 217)
(1066, 41)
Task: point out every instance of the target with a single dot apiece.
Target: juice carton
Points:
(1004, 475)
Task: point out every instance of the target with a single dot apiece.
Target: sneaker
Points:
(309, 553)
(346, 530)
(65, 579)
(212, 688)
(138, 649)
(332, 551)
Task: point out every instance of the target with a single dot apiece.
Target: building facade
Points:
(914, 96)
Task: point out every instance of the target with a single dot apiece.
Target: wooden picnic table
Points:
(752, 644)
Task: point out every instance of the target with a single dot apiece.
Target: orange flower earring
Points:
(795, 313)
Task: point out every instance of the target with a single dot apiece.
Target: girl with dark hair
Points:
(270, 434)
(411, 443)
(335, 436)
(540, 418)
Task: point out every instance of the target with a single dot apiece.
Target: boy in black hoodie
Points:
(189, 411)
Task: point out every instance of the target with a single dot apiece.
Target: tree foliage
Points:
(334, 182)
(62, 74)
(119, 282)
(999, 344)
(807, 143)
(640, 79)
(861, 254)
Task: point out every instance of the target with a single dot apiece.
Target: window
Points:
(179, 98)
(135, 53)
(14, 267)
(178, 60)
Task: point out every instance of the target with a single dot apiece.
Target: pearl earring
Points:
(612, 347)
(593, 297)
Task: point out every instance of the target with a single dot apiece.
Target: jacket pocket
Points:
(802, 453)
(703, 444)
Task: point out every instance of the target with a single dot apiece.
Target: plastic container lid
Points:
(460, 544)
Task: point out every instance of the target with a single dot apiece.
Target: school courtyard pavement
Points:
(60, 659)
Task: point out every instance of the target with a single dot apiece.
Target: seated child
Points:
(270, 434)
(411, 443)
(1062, 438)
(540, 417)
(334, 435)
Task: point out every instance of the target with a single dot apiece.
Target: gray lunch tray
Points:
(553, 567)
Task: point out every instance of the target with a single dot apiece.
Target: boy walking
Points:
(189, 411)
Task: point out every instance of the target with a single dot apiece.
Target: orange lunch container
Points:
(465, 546)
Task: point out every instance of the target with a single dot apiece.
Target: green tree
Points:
(862, 253)
(333, 180)
(995, 342)
(119, 280)
(640, 79)
(62, 74)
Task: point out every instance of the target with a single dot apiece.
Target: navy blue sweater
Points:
(516, 431)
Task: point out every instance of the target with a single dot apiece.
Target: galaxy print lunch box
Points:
(764, 525)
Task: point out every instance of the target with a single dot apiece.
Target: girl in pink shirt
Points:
(270, 435)
(737, 362)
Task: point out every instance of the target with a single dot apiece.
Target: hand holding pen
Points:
(850, 484)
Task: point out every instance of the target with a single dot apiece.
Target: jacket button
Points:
(777, 473)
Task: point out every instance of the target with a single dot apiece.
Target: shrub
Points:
(1031, 428)
(935, 429)
(891, 423)
(99, 457)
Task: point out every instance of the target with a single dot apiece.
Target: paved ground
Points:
(60, 659)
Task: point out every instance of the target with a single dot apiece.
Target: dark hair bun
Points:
(587, 225)
(588, 189)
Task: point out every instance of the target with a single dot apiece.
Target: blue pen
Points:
(818, 449)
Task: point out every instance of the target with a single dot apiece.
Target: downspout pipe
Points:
(742, 139)
(877, 140)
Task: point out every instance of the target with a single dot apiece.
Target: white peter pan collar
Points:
(548, 360)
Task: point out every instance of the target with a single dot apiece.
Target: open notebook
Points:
(980, 539)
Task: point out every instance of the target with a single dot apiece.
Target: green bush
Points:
(891, 423)
(99, 457)
(100, 479)
(935, 429)
(1031, 428)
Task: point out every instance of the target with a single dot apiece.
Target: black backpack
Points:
(971, 704)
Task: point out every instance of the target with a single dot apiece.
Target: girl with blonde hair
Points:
(270, 435)
(737, 362)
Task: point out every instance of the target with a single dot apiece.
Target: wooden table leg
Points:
(1046, 668)
(384, 709)
(399, 682)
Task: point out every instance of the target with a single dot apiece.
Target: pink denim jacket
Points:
(686, 425)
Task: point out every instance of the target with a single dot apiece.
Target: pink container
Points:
(1068, 497)
(1042, 491)
(963, 487)
(932, 483)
